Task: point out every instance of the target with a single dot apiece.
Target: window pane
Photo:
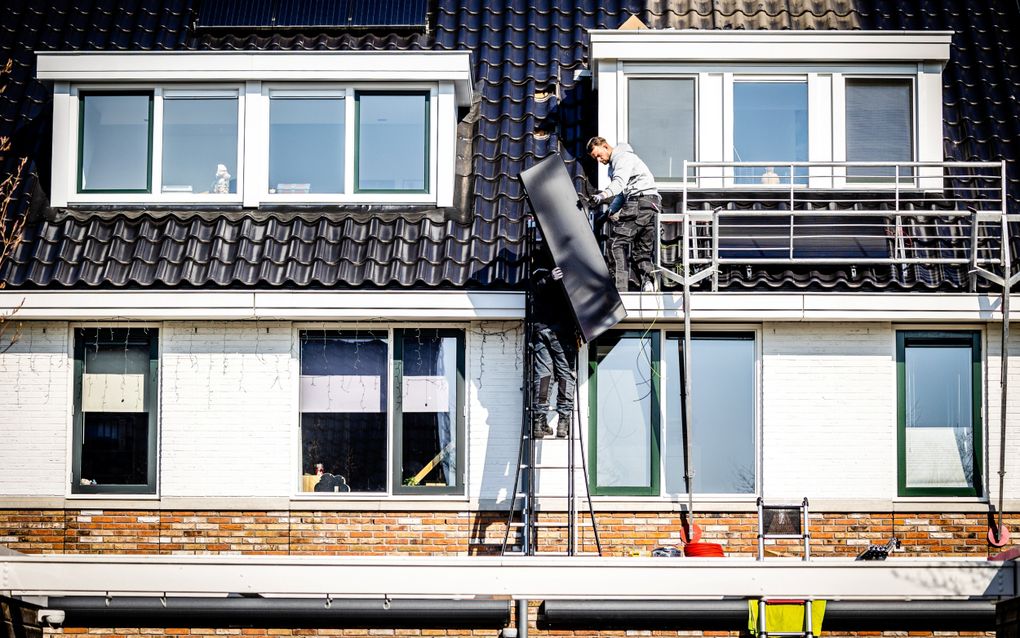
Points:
(878, 126)
(343, 405)
(115, 142)
(200, 145)
(661, 124)
(623, 411)
(114, 406)
(770, 124)
(115, 448)
(722, 433)
(392, 142)
(939, 416)
(429, 405)
(306, 145)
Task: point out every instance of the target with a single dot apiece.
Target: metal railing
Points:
(849, 213)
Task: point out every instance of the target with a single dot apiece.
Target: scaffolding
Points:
(896, 215)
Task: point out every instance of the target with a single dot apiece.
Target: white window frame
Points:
(159, 92)
(584, 412)
(624, 106)
(826, 59)
(69, 493)
(445, 75)
(390, 330)
(260, 189)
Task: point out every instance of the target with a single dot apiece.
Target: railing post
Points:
(791, 213)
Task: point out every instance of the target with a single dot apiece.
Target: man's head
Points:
(599, 149)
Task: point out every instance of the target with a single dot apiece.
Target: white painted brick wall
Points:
(228, 409)
(992, 414)
(829, 410)
(495, 359)
(35, 405)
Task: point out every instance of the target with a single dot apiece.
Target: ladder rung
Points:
(784, 536)
(549, 466)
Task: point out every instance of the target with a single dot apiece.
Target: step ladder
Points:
(783, 521)
(523, 516)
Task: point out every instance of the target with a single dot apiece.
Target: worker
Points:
(634, 203)
(554, 347)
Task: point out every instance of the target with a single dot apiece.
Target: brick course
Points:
(303, 532)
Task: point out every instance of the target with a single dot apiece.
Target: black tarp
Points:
(593, 297)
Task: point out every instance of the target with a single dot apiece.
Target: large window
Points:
(355, 424)
(115, 410)
(723, 413)
(939, 415)
(879, 126)
(169, 144)
(770, 124)
(393, 139)
(115, 142)
(199, 143)
(624, 413)
(636, 384)
(661, 124)
(306, 144)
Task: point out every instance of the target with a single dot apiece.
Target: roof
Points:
(529, 105)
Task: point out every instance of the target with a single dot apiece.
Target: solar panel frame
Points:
(322, 14)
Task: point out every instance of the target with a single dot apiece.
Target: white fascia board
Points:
(761, 306)
(765, 46)
(284, 66)
(258, 305)
(531, 578)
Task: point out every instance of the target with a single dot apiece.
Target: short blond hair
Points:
(596, 141)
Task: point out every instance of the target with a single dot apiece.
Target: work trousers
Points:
(632, 242)
(555, 358)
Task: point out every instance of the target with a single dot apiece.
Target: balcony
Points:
(908, 226)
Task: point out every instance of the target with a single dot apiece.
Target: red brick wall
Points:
(459, 533)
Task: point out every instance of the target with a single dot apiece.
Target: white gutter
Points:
(520, 578)
(304, 305)
(263, 305)
(759, 306)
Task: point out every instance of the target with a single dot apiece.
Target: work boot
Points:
(540, 427)
(563, 425)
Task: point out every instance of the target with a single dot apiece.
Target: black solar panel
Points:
(313, 13)
(236, 13)
(290, 14)
(392, 13)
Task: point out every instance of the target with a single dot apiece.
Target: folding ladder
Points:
(783, 521)
(523, 516)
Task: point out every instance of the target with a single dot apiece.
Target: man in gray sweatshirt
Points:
(634, 203)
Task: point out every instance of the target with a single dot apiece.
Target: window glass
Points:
(939, 414)
(429, 409)
(723, 400)
(200, 145)
(306, 145)
(115, 402)
(879, 126)
(392, 142)
(115, 142)
(625, 408)
(770, 124)
(343, 400)
(661, 124)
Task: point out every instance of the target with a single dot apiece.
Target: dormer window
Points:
(243, 128)
(794, 107)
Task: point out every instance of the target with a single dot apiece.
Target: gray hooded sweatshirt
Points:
(628, 174)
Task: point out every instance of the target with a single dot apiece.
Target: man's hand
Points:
(557, 273)
(588, 201)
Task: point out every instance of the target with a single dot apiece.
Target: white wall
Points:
(829, 410)
(495, 360)
(35, 399)
(992, 414)
(228, 409)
